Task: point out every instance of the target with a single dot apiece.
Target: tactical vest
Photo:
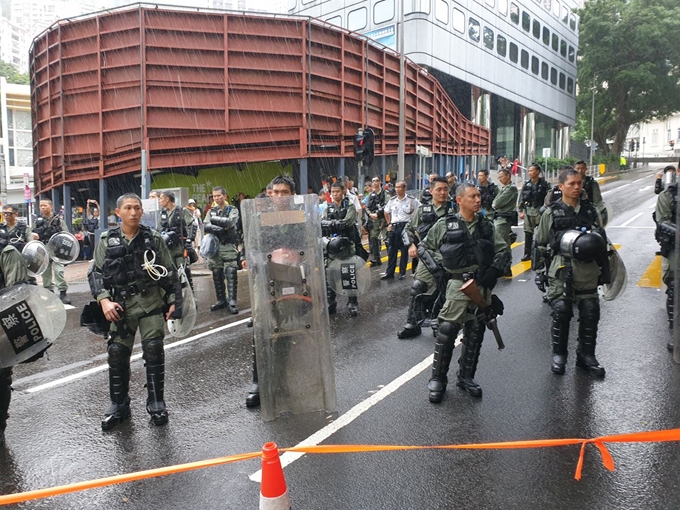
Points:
(462, 249)
(487, 194)
(376, 201)
(533, 194)
(230, 235)
(47, 227)
(123, 265)
(565, 218)
(4, 241)
(429, 217)
(18, 238)
(426, 197)
(338, 213)
(171, 221)
(588, 183)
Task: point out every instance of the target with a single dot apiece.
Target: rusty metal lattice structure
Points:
(197, 89)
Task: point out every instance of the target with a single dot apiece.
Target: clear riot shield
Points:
(31, 318)
(349, 277)
(180, 328)
(63, 248)
(36, 256)
(282, 238)
(619, 280)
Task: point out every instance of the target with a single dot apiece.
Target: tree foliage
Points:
(630, 57)
(12, 75)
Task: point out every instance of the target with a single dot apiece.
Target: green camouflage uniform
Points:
(504, 206)
(58, 269)
(228, 250)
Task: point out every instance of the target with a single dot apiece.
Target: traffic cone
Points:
(273, 490)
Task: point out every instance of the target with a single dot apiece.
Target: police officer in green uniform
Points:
(222, 221)
(133, 279)
(666, 207)
(19, 232)
(469, 247)
(531, 201)
(337, 225)
(572, 279)
(178, 230)
(12, 271)
(591, 188)
(375, 207)
(45, 227)
(505, 215)
(488, 191)
(424, 290)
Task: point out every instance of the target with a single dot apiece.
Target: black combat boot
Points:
(119, 384)
(220, 290)
(232, 287)
(528, 240)
(154, 356)
(670, 305)
(589, 316)
(332, 302)
(559, 333)
(253, 397)
(374, 248)
(443, 350)
(353, 306)
(415, 311)
(469, 356)
(64, 298)
(5, 397)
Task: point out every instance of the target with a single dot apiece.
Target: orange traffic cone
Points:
(273, 490)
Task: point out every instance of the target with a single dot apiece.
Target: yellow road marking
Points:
(652, 276)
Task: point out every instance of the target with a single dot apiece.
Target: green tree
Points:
(11, 74)
(630, 57)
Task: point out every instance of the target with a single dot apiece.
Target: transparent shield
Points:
(617, 287)
(36, 257)
(179, 328)
(31, 318)
(282, 238)
(63, 248)
(349, 277)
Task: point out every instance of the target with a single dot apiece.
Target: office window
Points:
(536, 29)
(570, 85)
(513, 52)
(534, 65)
(501, 45)
(383, 11)
(490, 3)
(335, 20)
(422, 6)
(563, 48)
(565, 14)
(544, 70)
(458, 21)
(514, 13)
(488, 38)
(553, 76)
(547, 4)
(655, 137)
(546, 36)
(556, 8)
(562, 80)
(20, 138)
(526, 21)
(524, 59)
(572, 53)
(555, 42)
(503, 7)
(473, 29)
(357, 19)
(441, 11)
(572, 22)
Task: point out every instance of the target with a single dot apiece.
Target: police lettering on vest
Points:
(429, 217)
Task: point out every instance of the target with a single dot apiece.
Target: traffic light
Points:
(359, 146)
(631, 146)
(369, 147)
(637, 145)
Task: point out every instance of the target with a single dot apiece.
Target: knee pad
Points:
(670, 288)
(418, 287)
(152, 351)
(232, 272)
(119, 355)
(589, 310)
(562, 309)
(6, 377)
(447, 329)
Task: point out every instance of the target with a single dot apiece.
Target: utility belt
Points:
(464, 277)
(136, 289)
(512, 217)
(585, 291)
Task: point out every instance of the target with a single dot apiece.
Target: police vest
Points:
(488, 193)
(426, 197)
(376, 201)
(565, 218)
(533, 194)
(123, 265)
(338, 213)
(47, 227)
(4, 241)
(429, 217)
(462, 249)
(18, 238)
(588, 183)
(229, 235)
(171, 221)
(555, 194)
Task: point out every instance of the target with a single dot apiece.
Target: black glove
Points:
(540, 280)
(490, 278)
(497, 305)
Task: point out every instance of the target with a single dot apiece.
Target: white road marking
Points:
(631, 220)
(69, 307)
(616, 189)
(351, 415)
(638, 180)
(646, 188)
(621, 226)
(100, 368)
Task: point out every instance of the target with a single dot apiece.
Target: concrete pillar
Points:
(56, 200)
(302, 185)
(67, 207)
(383, 167)
(341, 167)
(528, 141)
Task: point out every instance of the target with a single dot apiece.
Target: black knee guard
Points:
(443, 350)
(154, 355)
(589, 317)
(5, 396)
(119, 384)
(670, 302)
(232, 288)
(469, 357)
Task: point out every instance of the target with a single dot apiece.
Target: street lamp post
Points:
(402, 121)
(592, 127)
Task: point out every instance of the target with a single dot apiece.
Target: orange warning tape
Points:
(608, 461)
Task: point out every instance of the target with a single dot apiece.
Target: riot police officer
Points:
(178, 230)
(375, 207)
(424, 289)
(488, 191)
(505, 216)
(591, 188)
(666, 221)
(337, 226)
(469, 248)
(45, 227)
(12, 271)
(18, 231)
(222, 221)
(533, 195)
(573, 246)
(426, 194)
(132, 278)
(453, 185)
